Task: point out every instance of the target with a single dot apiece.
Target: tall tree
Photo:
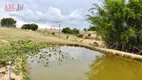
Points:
(119, 22)
(8, 22)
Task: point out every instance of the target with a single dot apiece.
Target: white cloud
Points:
(52, 16)
(49, 13)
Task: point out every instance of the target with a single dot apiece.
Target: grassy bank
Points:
(45, 36)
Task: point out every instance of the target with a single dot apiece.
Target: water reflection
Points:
(48, 56)
(114, 68)
(70, 69)
(74, 66)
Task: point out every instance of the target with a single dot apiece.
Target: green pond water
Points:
(84, 64)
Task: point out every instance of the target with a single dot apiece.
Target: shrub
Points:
(80, 35)
(85, 29)
(70, 31)
(67, 30)
(24, 27)
(30, 26)
(89, 35)
(75, 31)
(27, 25)
(92, 28)
(96, 44)
(33, 27)
(53, 33)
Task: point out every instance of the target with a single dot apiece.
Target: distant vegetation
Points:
(80, 35)
(92, 28)
(33, 27)
(119, 23)
(53, 33)
(8, 22)
(70, 31)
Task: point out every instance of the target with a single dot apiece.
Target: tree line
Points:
(70, 31)
(11, 23)
(8, 22)
(33, 27)
(119, 22)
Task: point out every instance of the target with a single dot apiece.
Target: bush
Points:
(2, 63)
(69, 31)
(27, 26)
(75, 31)
(80, 35)
(85, 29)
(96, 44)
(92, 28)
(89, 35)
(53, 33)
(24, 27)
(33, 27)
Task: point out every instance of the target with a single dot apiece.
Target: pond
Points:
(84, 64)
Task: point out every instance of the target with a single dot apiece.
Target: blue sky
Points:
(50, 13)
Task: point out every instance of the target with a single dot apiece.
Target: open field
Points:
(8, 34)
(45, 36)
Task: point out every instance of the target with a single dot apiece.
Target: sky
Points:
(49, 13)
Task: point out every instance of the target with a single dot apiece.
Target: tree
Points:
(24, 27)
(75, 31)
(92, 28)
(70, 31)
(27, 26)
(85, 29)
(119, 23)
(33, 27)
(67, 30)
(8, 22)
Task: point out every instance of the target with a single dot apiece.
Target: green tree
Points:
(26, 26)
(85, 29)
(119, 23)
(67, 30)
(33, 27)
(70, 31)
(53, 33)
(92, 28)
(8, 22)
(75, 31)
